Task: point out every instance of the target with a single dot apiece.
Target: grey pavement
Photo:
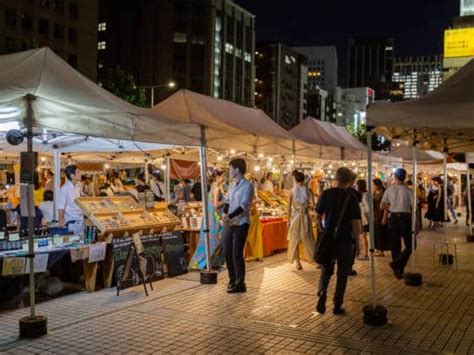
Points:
(274, 316)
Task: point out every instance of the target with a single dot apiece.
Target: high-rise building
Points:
(281, 83)
(352, 104)
(202, 45)
(322, 66)
(370, 62)
(418, 75)
(467, 7)
(69, 27)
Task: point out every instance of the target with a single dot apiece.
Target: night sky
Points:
(416, 25)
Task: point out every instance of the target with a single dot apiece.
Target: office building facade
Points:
(352, 105)
(281, 83)
(202, 45)
(69, 27)
(418, 75)
(370, 62)
(322, 66)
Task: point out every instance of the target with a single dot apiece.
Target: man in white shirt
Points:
(398, 200)
(158, 187)
(236, 220)
(69, 211)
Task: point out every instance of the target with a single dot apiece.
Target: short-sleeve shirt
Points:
(240, 195)
(330, 205)
(399, 197)
(67, 202)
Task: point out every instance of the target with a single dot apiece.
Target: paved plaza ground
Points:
(274, 316)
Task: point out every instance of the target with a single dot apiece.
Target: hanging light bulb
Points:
(270, 159)
(43, 159)
(344, 164)
(256, 168)
(330, 166)
(260, 155)
(292, 161)
(353, 163)
(106, 166)
(220, 157)
(232, 151)
(163, 166)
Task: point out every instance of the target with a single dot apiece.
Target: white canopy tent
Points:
(405, 153)
(441, 120)
(232, 126)
(64, 100)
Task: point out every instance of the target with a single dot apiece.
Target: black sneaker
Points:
(230, 285)
(396, 271)
(339, 311)
(237, 289)
(321, 306)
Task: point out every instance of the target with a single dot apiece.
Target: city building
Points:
(418, 75)
(370, 62)
(202, 45)
(459, 40)
(322, 66)
(352, 105)
(69, 27)
(281, 83)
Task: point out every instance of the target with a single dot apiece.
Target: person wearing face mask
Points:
(236, 221)
(435, 213)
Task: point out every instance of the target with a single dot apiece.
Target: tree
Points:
(122, 84)
(360, 132)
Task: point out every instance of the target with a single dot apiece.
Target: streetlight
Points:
(170, 85)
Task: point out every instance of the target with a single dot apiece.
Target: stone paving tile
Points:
(274, 316)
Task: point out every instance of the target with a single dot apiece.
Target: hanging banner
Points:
(184, 169)
(41, 263)
(13, 266)
(97, 252)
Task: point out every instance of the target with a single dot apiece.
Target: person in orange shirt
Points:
(315, 184)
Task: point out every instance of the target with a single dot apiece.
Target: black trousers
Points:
(344, 263)
(234, 244)
(399, 227)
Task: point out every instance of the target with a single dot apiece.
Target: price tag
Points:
(13, 266)
(97, 252)
(41, 263)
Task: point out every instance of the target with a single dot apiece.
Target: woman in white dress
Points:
(300, 227)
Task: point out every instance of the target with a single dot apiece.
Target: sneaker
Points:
(237, 289)
(321, 306)
(230, 285)
(397, 272)
(339, 311)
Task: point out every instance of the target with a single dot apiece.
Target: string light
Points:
(163, 166)
(106, 166)
(220, 157)
(256, 168)
(260, 155)
(232, 151)
(43, 159)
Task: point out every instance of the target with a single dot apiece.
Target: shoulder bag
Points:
(325, 246)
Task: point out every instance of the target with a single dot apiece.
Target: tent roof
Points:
(67, 101)
(422, 156)
(232, 126)
(314, 131)
(443, 118)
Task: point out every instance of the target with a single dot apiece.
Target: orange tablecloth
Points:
(265, 238)
(274, 237)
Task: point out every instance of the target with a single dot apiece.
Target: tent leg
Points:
(207, 276)
(374, 314)
(469, 199)
(57, 181)
(168, 179)
(33, 325)
(413, 278)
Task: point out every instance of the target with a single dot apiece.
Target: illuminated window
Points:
(101, 45)
(102, 26)
(229, 48)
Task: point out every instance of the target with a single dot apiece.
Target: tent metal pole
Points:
(371, 217)
(147, 173)
(445, 193)
(414, 208)
(57, 181)
(205, 209)
(30, 203)
(469, 198)
(168, 179)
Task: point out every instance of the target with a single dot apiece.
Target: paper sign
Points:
(14, 266)
(41, 263)
(80, 253)
(97, 252)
